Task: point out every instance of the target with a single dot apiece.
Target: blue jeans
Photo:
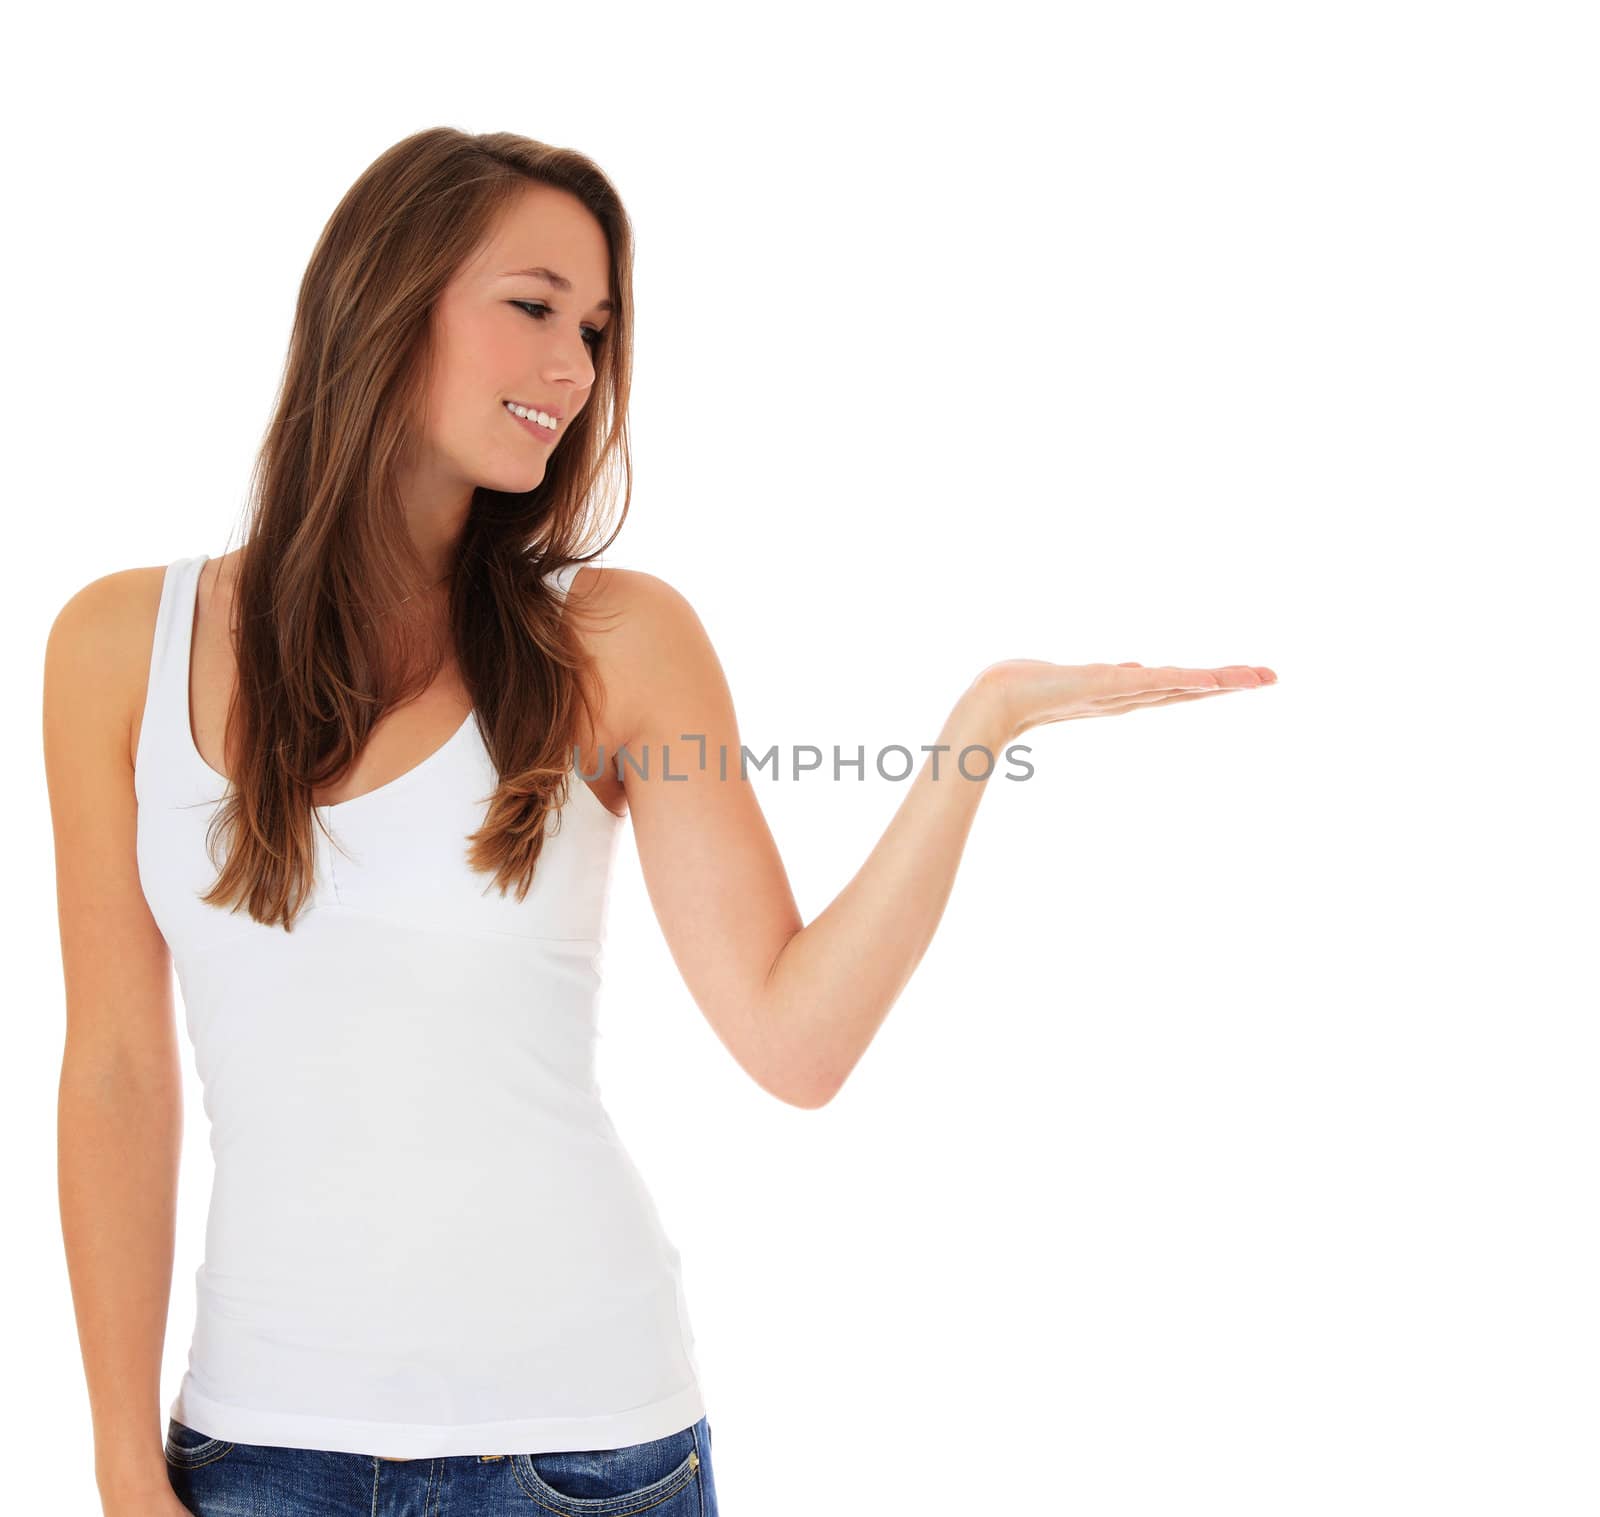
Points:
(667, 1477)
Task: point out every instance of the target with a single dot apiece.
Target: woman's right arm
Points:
(120, 1108)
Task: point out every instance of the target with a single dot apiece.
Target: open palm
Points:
(1032, 692)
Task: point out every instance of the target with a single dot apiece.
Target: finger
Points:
(1164, 677)
(1226, 676)
(1134, 703)
(1244, 676)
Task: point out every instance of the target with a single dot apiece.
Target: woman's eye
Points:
(538, 310)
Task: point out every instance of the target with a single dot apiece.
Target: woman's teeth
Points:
(527, 415)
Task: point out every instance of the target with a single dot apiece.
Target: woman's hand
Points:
(158, 1501)
(1028, 693)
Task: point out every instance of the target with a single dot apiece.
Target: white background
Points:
(1232, 1149)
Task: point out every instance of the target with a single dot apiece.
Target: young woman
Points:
(361, 782)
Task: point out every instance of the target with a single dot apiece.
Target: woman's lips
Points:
(544, 434)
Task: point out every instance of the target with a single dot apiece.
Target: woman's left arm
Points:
(832, 983)
(797, 1004)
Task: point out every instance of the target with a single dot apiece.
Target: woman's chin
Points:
(513, 481)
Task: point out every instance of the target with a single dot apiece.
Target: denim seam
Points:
(689, 1471)
(184, 1463)
(704, 1454)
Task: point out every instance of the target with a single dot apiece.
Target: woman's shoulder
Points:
(109, 600)
(99, 645)
(632, 621)
(648, 644)
(638, 596)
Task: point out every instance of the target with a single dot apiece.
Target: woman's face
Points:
(503, 334)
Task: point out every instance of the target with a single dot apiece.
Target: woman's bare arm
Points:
(797, 1004)
(120, 1109)
(834, 982)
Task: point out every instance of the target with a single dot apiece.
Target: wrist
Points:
(984, 712)
(129, 1479)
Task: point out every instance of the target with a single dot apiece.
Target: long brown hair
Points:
(328, 557)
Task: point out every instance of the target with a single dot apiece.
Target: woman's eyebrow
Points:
(558, 281)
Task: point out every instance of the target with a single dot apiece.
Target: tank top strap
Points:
(164, 731)
(562, 578)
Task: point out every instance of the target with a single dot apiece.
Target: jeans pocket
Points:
(610, 1482)
(188, 1449)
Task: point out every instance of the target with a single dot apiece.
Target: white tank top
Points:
(425, 1236)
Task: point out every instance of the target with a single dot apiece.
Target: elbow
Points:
(811, 1098)
(808, 1085)
(806, 1095)
(798, 1075)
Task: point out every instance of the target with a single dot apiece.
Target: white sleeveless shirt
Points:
(425, 1236)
